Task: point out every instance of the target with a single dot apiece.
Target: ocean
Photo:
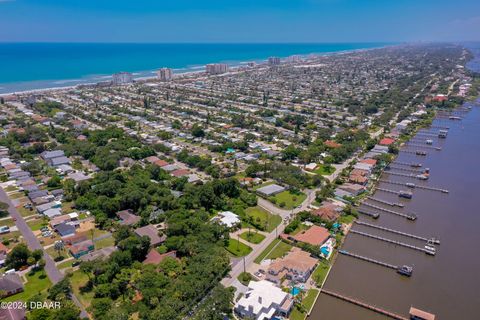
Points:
(29, 66)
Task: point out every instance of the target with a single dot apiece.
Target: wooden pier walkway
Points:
(364, 305)
(410, 164)
(373, 215)
(398, 243)
(381, 263)
(411, 185)
(432, 239)
(409, 216)
(392, 204)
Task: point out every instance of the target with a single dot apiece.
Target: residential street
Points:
(50, 268)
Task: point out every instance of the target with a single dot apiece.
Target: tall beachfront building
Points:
(217, 68)
(165, 74)
(274, 61)
(122, 78)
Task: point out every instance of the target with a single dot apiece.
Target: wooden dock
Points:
(391, 204)
(411, 186)
(432, 239)
(380, 263)
(409, 216)
(398, 243)
(364, 305)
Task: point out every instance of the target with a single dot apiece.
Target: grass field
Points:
(66, 264)
(37, 224)
(26, 212)
(78, 280)
(279, 251)
(264, 253)
(325, 170)
(288, 200)
(103, 243)
(252, 237)
(264, 218)
(346, 219)
(7, 222)
(307, 302)
(321, 272)
(36, 283)
(237, 248)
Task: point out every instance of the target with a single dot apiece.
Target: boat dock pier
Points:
(398, 243)
(419, 176)
(364, 305)
(433, 240)
(411, 185)
(392, 204)
(416, 152)
(409, 216)
(411, 164)
(404, 169)
(423, 146)
(381, 263)
(373, 215)
(411, 175)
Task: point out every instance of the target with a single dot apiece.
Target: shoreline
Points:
(182, 71)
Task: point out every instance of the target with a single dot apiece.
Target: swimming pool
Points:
(295, 291)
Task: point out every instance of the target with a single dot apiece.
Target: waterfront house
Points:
(263, 300)
(297, 265)
(315, 235)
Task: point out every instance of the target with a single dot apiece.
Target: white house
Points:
(227, 218)
(263, 300)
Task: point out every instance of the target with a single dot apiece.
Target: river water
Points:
(446, 284)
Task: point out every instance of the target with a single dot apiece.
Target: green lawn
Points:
(307, 302)
(264, 253)
(25, 212)
(325, 170)
(7, 222)
(10, 188)
(37, 224)
(264, 218)
(237, 248)
(321, 272)
(288, 200)
(78, 280)
(66, 264)
(103, 243)
(309, 299)
(347, 219)
(244, 278)
(36, 283)
(279, 251)
(16, 195)
(252, 237)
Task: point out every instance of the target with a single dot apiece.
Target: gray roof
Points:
(270, 189)
(10, 282)
(59, 161)
(52, 154)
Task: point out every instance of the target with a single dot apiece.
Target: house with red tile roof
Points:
(386, 141)
(332, 144)
(315, 235)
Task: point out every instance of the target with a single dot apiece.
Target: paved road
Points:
(32, 241)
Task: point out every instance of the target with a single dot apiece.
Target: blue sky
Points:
(238, 21)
